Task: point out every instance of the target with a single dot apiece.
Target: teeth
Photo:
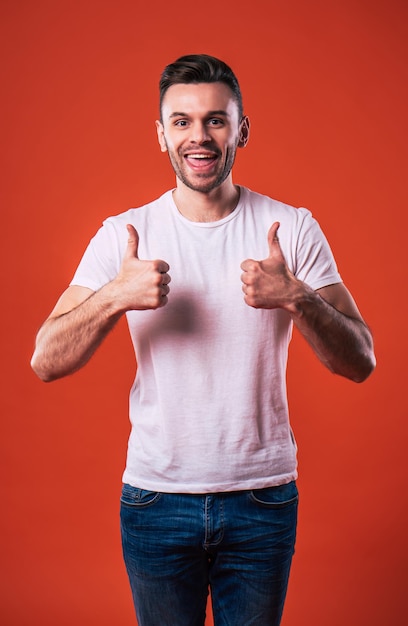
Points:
(199, 156)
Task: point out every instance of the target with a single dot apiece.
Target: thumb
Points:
(273, 239)
(133, 242)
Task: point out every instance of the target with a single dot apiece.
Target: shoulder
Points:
(112, 233)
(262, 205)
(138, 215)
(263, 202)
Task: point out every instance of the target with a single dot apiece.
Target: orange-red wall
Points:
(325, 85)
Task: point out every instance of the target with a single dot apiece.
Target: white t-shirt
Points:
(208, 406)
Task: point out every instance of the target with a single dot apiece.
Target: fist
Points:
(269, 284)
(143, 284)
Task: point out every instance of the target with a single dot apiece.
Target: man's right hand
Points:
(82, 318)
(141, 284)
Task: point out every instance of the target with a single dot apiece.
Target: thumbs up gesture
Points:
(269, 284)
(141, 284)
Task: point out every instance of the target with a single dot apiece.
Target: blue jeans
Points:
(238, 544)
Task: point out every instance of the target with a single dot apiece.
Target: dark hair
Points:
(199, 68)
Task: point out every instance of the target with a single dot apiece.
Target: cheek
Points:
(169, 144)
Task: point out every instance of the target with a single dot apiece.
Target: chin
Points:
(203, 185)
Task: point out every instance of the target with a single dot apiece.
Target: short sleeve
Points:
(315, 264)
(102, 258)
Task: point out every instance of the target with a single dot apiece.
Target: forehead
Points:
(199, 98)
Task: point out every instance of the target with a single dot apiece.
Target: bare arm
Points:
(328, 318)
(82, 318)
(331, 323)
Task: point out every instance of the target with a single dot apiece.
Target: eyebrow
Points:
(208, 114)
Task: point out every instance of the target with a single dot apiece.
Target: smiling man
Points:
(209, 499)
(202, 140)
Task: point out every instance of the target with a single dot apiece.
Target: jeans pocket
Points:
(136, 497)
(275, 497)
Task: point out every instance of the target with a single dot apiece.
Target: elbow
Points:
(357, 368)
(38, 367)
(365, 361)
(365, 368)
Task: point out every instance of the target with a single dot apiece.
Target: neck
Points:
(210, 206)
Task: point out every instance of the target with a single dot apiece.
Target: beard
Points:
(203, 182)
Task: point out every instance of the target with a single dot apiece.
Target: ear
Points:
(160, 136)
(243, 132)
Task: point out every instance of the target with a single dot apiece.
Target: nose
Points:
(199, 133)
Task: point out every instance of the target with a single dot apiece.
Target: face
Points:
(201, 131)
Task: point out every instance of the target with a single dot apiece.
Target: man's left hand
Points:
(269, 284)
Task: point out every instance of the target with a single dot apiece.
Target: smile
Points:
(200, 161)
(200, 156)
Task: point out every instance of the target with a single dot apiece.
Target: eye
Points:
(180, 123)
(215, 121)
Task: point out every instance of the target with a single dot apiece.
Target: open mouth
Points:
(200, 161)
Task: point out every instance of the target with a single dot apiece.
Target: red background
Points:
(325, 85)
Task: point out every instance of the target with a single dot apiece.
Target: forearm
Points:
(329, 319)
(82, 318)
(66, 342)
(344, 344)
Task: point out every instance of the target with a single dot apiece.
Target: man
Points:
(209, 496)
